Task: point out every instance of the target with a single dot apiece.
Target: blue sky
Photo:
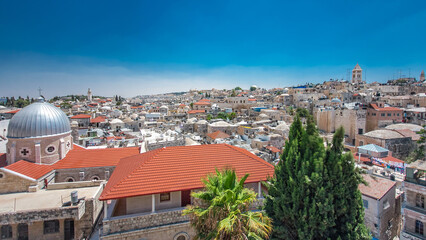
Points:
(143, 47)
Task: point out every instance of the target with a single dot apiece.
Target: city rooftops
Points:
(377, 186)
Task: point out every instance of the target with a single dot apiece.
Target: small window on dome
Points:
(50, 149)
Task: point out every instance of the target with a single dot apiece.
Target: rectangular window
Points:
(389, 114)
(365, 203)
(374, 114)
(397, 114)
(51, 226)
(360, 131)
(6, 231)
(386, 204)
(382, 114)
(164, 197)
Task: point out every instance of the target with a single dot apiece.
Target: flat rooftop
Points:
(42, 199)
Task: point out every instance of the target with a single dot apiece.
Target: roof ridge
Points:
(243, 151)
(144, 161)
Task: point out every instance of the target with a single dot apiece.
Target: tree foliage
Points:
(222, 210)
(314, 193)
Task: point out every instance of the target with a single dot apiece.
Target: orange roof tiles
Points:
(204, 100)
(385, 108)
(196, 111)
(252, 99)
(218, 134)
(202, 103)
(273, 149)
(377, 186)
(180, 168)
(78, 147)
(13, 111)
(29, 169)
(99, 119)
(79, 116)
(102, 157)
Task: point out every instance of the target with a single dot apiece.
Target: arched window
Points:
(420, 200)
(181, 236)
(95, 178)
(361, 143)
(70, 179)
(419, 227)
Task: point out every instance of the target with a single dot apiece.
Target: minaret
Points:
(89, 95)
(357, 74)
(422, 76)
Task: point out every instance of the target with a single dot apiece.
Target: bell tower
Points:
(357, 74)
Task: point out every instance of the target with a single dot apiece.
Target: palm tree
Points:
(223, 210)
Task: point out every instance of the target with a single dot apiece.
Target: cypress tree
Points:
(343, 179)
(297, 201)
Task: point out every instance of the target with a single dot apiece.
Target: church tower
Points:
(422, 76)
(357, 74)
(89, 95)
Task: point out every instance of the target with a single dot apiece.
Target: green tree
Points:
(238, 88)
(209, 117)
(222, 210)
(253, 88)
(231, 115)
(297, 201)
(342, 179)
(222, 115)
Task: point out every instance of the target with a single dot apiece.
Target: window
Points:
(365, 203)
(389, 114)
(25, 152)
(360, 130)
(6, 231)
(374, 114)
(70, 179)
(181, 236)
(50, 149)
(95, 178)
(51, 226)
(164, 197)
(81, 176)
(397, 114)
(420, 201)
(382, 114)
(386, 204)
(419, 227)
(1, 175)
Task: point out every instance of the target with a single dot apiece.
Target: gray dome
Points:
(39, 119)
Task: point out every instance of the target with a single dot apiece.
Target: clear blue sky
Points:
(142, 47)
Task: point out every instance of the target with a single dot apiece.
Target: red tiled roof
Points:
(79, 116)
(180, 168)
(385, 108)
(13, 111)
(202, 103)
(29, 169)
(377, 186)
(3, 159)
(363, 159)
(103, 157)
(78, 147)
(204, 100)
(182, 105)
(252, 99)
(218, 134)
(392, 159)
(196, 111)
(99, 119)
(273, 149)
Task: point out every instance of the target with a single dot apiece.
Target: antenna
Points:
(39, 91)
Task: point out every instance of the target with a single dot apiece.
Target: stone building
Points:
(414, 210)
(382, 207)
(83, 120)
(379, 116)
(357, 74)
(352, 120)
(142, 202)
(399, 144)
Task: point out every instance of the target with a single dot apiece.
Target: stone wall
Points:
(156, 145)
(171, 232)
(129, 222)
(11, 183)
(101, 173)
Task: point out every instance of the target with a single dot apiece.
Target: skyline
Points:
(145, 47)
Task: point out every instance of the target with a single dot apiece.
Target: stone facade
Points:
(400, 147)
(83, 174)
(45, 150)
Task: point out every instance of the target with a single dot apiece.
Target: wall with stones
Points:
(11, 183)
(164, 232)
(63, 175)
(156, 145)
(400, 147)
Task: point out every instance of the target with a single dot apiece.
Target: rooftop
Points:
(384, 134)
(180, 168)
(377, 186)
(42, 199)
